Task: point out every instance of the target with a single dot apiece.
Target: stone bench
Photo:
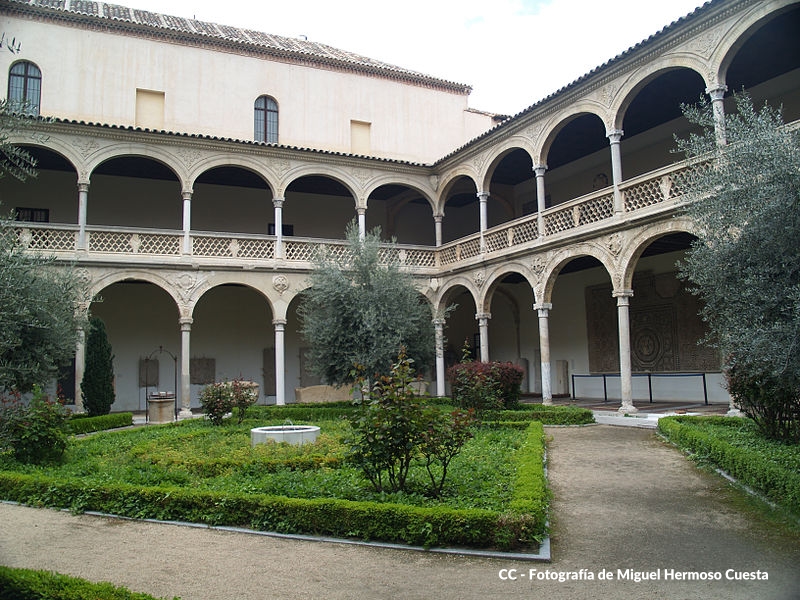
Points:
(322, 393)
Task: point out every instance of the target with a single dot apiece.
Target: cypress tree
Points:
(97, 387)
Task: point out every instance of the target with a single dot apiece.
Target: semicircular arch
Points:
(247, 163)
(636, 244)
(544, 290)
(496, 277)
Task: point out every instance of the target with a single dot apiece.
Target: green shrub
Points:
(28, 584)
(218, 399)
(485, 386)
(80, 423)
(392, 430)
(35, 433)
(97, 386)
(770, 467)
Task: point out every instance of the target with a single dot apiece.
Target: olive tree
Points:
(38, 320)
(744, 196)
(360, 310)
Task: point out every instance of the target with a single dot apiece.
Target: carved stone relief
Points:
(664, 324)
(202, 371)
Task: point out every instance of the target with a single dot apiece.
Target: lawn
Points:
(495, 495)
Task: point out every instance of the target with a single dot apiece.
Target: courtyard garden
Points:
(495, 494)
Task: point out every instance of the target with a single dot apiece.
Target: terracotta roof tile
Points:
(286, 46)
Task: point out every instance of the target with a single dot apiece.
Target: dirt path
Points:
(622, 500)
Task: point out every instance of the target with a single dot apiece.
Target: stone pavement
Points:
(624, 503)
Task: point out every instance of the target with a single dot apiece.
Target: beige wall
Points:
(94, 76)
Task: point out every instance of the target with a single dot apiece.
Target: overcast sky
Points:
(512, 52)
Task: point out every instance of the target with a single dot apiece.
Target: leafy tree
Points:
(360, 311)
(745, 266)
(38, 320)
(14, 161)
(97, 387)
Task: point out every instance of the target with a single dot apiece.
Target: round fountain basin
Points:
(292, 434)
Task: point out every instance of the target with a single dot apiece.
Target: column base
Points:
(627, 408)
(547, 402)
(734, 412)
(185, 413)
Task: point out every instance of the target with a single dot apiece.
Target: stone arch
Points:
(247, 163)
(647, 74)
(636, 244)
(579, 109)
(414, 185)
(439, 299)
(339, 175)
(97, 285)
(735, 36)
(54, 144)
(232, 280)
(447, 181)
(555, 262)
(499, 152)
(496, 277)
(151, 152)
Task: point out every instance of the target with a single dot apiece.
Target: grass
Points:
(193, 454)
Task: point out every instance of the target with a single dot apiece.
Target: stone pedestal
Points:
(161, 409)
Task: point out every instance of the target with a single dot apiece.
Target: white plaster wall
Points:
(233, 325)
(93, 76)
(139, 318)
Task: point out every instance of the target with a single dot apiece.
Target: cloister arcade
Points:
(556, 234)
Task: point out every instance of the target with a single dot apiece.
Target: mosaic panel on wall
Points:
(665, 328)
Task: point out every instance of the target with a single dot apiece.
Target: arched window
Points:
(266, 120)
(25, 87)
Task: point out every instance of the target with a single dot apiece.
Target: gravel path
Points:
(622, 500)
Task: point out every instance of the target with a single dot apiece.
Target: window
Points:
(266, 120)
(32, 215)
(25, 87)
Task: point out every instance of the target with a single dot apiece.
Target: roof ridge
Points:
(227, 33)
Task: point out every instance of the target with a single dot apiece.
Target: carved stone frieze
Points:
(479, 277)
(87, 146)
(280, 166)
(280, 283)
(614, 244)
(705, 44)
(189, 156)
(186, 284)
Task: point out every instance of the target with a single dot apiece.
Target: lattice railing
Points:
(660, 186)
(232, 247)
(50, 240)
(123, 242)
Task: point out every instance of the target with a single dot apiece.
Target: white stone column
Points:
(614, 138)
(483, 201)
(625, 379)
(83, 201)
(277, 203)
(187, 222)
(438, 325)
(717, 94)
(362, 222)
(544, 350)
(483, 334)
(80, 368)
(437, 223)
(280, 375)
(186, 381)
(539, 171)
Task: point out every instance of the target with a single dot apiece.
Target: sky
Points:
(512, 52)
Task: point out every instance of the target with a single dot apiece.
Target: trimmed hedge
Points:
(79, 424)
(330, 517)
(527, 518)
(751, 467)
(547, 415)
(28, 584)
